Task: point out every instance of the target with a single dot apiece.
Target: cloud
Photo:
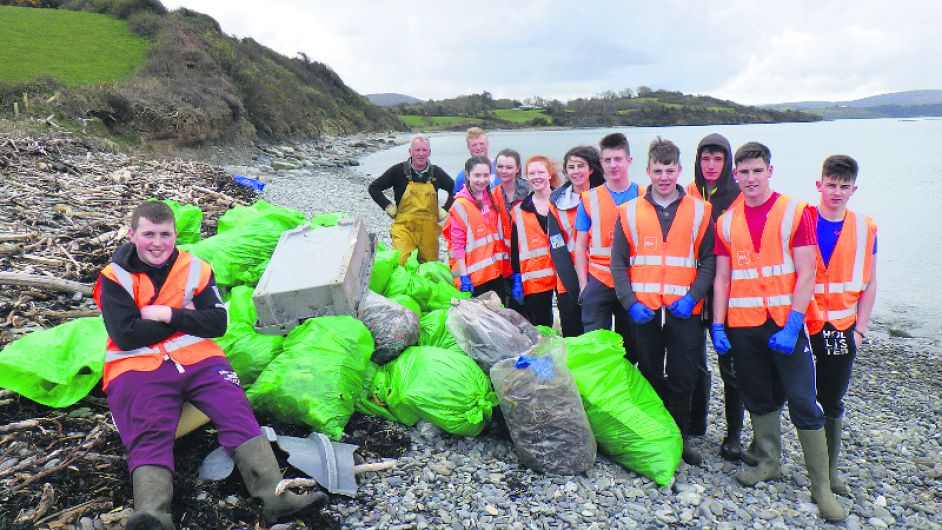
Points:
(747, 51)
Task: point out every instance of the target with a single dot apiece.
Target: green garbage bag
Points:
(249, 351)
(241, 305)
(384, 263)
(442, 294)
(629, 421)
(240, 216)
(189, 219)
(318, 377)
(58, 366)
(547, 331)
(432, 331)
(407, 301)
(367, 403)
(401, 281)
(436, 272)
(327, 219)
(443, 387)
(240, 252)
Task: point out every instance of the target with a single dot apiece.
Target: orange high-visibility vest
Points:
(485, 253)
(762, 283)
(660, 271)
(186, 279)
(839, 284)
(567, 225)
(600, 206)
(536, 265)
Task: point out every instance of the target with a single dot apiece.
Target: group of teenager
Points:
(784, 289)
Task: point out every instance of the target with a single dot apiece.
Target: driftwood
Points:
(310, 483)
(44, 282)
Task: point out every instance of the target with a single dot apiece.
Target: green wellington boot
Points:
(832, 430)
(767, 435)
(259, 469)
(815, 447)
(153, 491)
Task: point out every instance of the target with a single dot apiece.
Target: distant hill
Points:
(644, 108)
(908, 104)
(391, 99)
(195, 86)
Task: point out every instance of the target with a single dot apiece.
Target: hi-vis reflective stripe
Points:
(471, 242)
(192, 278)
(533, 275)
(486, 262)
(841, 287)
(602, 268)
(567, 228)
(524, 241)
(170, 346)
(672, 261)
(679, 290)
(690, 261)
(124, 278)
(782, 300)
(844, 313)
(595, 213)
(861, 253)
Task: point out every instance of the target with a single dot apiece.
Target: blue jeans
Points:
(767, 378)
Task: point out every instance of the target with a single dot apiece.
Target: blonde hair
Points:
(474, 132)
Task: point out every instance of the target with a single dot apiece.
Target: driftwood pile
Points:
(64, 203)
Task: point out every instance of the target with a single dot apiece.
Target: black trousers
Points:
(570, 315)
(671, 346)
(834, 353)
(496, 285)
(599, 306)
(538, 308)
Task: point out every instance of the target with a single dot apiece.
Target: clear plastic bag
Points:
(543, 411)
(393, 326)
(486, 336)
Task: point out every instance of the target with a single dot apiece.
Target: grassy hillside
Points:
(73, 47)
(196, 85)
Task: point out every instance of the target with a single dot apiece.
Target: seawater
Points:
(899, 185)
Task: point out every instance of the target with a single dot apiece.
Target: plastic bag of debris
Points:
(393, 326)
(485, 335)
(543, 411)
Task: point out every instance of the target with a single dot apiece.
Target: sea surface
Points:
(899, 186)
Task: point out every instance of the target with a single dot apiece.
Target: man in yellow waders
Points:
(415, 210)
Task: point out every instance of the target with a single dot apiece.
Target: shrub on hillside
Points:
(147, 24)
(117, 8)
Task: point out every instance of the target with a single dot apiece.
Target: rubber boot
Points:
(815, 447)
(832, 429)
(259, 469)
(153, 491)
(749, 456)
(700, 404)
(731, 448)
(767, 430)
(679, 408)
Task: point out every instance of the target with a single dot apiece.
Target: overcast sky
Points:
(749, 51)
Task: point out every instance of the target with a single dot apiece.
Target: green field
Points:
(73, 47)
(436, 121)
(522, 116)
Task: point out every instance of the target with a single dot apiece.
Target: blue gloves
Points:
(683, 307)
(640, 313)
(466, 285)
(517, 290)
(784, 341)
(720, 340)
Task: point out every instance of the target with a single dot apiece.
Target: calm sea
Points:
(899, 186)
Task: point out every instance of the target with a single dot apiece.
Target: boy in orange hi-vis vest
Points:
(663, 265)
(845, 289)
(160, 306)
(765, 273)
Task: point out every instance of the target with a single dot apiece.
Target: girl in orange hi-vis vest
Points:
(476, 250)
(583, 170)
(845, 289)
(765, 273)
(534, 278)
(509, 191)
(160, 305)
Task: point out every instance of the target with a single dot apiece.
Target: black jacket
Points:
(123, 318)
(398, 176)
(726, 187)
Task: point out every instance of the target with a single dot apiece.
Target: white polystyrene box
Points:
(314, 272)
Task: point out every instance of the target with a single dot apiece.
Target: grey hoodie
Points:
(726, 188)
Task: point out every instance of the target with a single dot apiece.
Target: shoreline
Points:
(892, 446)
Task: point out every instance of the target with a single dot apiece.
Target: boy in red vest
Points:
(663, 265)
(765, 273)
(161, 306)
(845, 289)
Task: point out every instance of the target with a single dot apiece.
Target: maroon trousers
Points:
(146, 408)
